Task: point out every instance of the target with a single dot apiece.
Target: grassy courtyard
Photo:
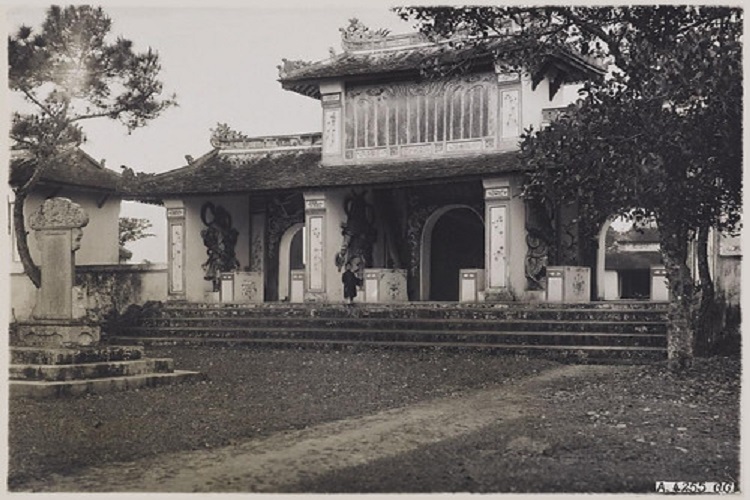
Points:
(617, 431)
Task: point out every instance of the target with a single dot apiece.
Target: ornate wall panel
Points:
(428, 118)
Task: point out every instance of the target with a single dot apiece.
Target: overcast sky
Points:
(221, 62)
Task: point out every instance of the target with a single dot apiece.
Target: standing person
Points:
(351, 282)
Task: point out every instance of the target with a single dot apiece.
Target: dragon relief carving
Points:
(220, 239)
(540, 236)
(358, 232)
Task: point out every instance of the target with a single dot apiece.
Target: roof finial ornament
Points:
(288, 66)
(223, 134)
(357, 32)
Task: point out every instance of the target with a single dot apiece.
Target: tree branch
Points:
(30, 96)
(592, 29)
(95, 115)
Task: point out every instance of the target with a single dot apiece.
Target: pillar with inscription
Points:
(58, 224)
(331, 100)
(176, 249)
(497, 239)
(315, 247)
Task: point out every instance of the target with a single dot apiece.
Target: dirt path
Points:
(276, 462)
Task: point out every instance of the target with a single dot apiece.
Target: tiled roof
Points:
(76, 169)
(632, 260)
(303, 77)
(219, 173)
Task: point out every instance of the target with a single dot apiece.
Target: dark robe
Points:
(350, 281)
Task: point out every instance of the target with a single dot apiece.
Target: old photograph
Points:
(371, 248)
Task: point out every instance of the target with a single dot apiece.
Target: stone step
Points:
(44, 389)
(396, 335)
(239, 323)
(69, 356)
(90, 370)
(616, 352)
(396, 312)
(599, 305)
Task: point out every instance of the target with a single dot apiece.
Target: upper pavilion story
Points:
(378, 105)
(384, 116)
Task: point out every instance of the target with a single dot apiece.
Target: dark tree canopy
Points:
(70, 71)
(660, 136)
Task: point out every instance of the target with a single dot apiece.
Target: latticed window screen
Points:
(421, 113)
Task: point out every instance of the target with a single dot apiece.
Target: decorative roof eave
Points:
(227, 140)
(369, 66)
(295, 171)
(75, 168)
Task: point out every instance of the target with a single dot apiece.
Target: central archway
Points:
(452, 239)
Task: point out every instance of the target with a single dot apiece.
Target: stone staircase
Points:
(605, 330)
(44, 372)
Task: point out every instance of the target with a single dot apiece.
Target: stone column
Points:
(58, 223)
(175, 249)
(497, 238)
(315, 247)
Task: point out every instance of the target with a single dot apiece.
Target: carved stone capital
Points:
(59, 213)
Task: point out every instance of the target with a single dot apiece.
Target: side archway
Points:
(626, 255)
(290, 257)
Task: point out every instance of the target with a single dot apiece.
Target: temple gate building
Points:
(414, 182)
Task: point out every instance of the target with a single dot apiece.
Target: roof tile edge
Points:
(229, 141)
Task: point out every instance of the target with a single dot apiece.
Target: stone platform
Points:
(39, 372)
(623, 331)
(57, 333)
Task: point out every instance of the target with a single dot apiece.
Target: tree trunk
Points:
(680, 333)
(705, 319)
(19, 222)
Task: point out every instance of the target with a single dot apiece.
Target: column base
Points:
(499, 295)
(56, 333)
(316, 297)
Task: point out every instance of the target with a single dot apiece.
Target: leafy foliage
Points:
(659, 137)
(134, 229)
(71, 71)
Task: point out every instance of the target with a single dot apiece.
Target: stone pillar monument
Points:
(58, 224)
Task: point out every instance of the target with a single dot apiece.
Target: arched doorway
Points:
(626, 255)
(453, 239)
(291, 257)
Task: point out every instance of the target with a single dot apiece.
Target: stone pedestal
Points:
(297, 286)
(57, 333)
(568, 284)
(242, 287)
(659, 284)
(382, 286)
(471, 285)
